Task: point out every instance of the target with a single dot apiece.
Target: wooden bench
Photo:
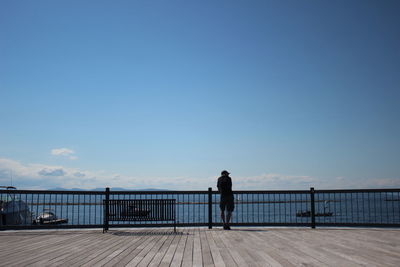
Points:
(139, 210)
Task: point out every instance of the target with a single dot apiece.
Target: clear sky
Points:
(167, 94)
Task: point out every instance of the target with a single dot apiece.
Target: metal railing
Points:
(84, 209)
(370, 207)
(20, 209)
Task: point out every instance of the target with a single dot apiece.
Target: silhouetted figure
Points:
(225, 189)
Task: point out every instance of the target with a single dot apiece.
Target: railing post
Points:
(312, 207)
(209, 208)
(106, 210)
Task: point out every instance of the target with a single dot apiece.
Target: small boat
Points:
(13, 211)
(308, 214)
(135, 212)
(48, 217)
(303, 213)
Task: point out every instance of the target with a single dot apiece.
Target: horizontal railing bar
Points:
(156, 192)
(111, 225)
(358, 224)
(51, 192)
(268, 192)
(357, 190)
(266, 224)
(49, 227)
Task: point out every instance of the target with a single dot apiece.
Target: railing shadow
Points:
(249, 230)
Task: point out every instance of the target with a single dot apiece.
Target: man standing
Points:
(225, 189)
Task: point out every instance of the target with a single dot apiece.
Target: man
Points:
(225, 189)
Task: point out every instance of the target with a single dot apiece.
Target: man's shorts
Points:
(227, 203)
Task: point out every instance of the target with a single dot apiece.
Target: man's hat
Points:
(224, 172)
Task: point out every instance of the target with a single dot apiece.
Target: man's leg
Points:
(230, 207)
(228, 217)
(222, 206)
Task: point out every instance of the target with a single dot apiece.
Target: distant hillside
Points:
(124, 189)
(103, 189)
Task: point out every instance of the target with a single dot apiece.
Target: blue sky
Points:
(166, 94)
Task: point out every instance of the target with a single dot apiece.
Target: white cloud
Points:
(274, 181)
(345, 183)
(42, 176)
(64, 152)
(79, 174)
(52, 172)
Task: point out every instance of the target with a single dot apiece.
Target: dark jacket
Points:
(225, 186)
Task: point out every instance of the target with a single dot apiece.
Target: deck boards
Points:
(202, 247)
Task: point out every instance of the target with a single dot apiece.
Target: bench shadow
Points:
(148, 233)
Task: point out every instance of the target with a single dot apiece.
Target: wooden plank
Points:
(215, 253)
(187, 260)
(135, 241)
(347, 254)
(289, 252)
(161, 252)
(81, 251)
(62, 251)
(361, 240)
(223, 250)
(357, 250)
(99, 251)
(386, 236)
(148, 256)
(296, 248)
(253, 249)
(368, 255)
(205, 249)
(178, 256)
(10, 240)
(42, 250)
(133, 252)
(266, 251)
(150, 237)
(115, 253)
(166, 260)
(31, 248)
(309, 246)
(143, 252)
(8, 249)
(323, 239)
(246, 247)
(231, 246)
(197, 256)
(268, 260)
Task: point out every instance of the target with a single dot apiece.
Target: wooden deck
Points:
(202, 247)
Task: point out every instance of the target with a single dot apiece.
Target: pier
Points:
(199, 246)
